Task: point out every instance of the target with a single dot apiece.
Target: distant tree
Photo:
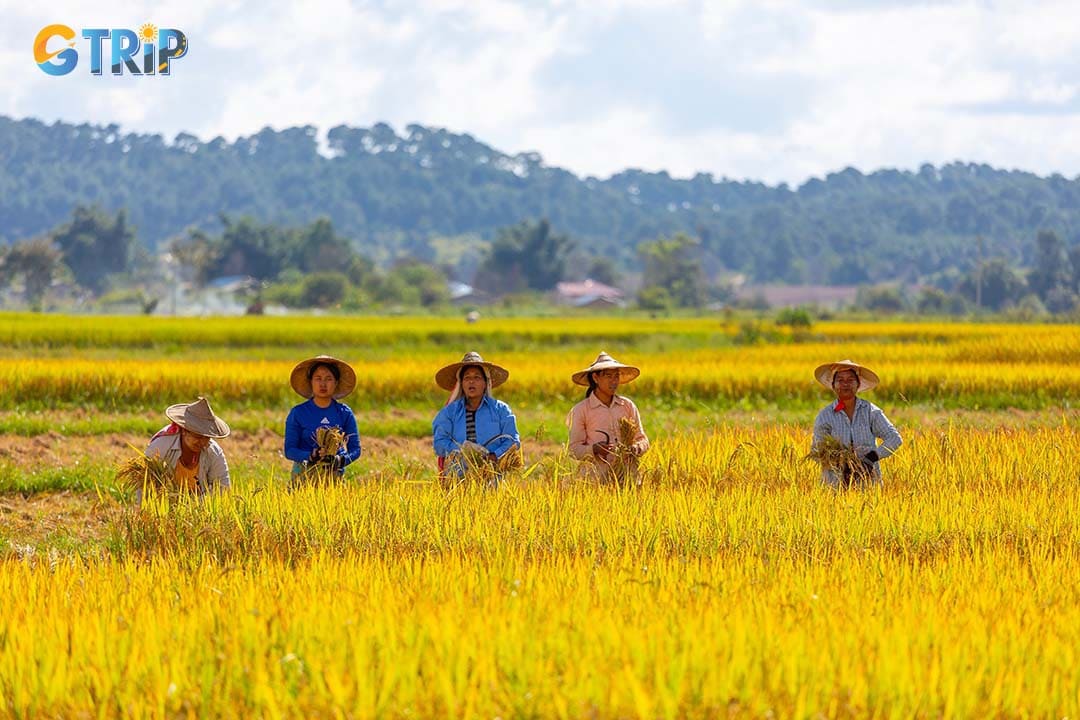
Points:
(247, 247)
(528, 256)
(361, 271)
(671, 264)
(1074, 262)
(881, 298)
(935, 301)
(37, 261)
(1002, 284)
(1061, 300)
(795, 318)
(654, 298)
(427, 284)
(323, 289)
(318, 247)
(1052, 268)
(603, 270)
(95, 246)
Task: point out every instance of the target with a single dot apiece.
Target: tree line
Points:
(426, 194)
(315, 266)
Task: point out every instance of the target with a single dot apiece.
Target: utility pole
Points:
(979, 274)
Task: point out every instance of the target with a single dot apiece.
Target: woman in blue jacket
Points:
(473, 430)
(321, 432)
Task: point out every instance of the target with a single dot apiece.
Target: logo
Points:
(147, 51)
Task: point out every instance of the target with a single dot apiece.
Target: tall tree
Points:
(318, 247)
(1002, 284)
(528, 256)
(1052, 268)
(37, 261)
(96, 245)
(672, 264)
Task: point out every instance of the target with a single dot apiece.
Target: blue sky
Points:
(776, 91)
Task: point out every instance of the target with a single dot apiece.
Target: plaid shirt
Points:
(861, 433)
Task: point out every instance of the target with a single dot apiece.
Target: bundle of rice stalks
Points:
(139, 471)
(330, 439)
(622, 460)
(472, 454)
(628, 432)
(474, 463)
(833, 455)
(512, 460)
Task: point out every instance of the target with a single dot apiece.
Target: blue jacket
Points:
(493, 418)
(307, 417)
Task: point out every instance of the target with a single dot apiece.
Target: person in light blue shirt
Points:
(323, 380)
(474, 430)
(855, 423)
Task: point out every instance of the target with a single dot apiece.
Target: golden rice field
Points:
(729, 584)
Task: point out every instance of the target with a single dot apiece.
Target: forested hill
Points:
(392, 193)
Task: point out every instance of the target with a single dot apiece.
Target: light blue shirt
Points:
(496, 428)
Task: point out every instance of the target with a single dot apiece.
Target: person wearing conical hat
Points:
(855, 423)
(188, 444)
(323, 380)
(599, 424)
(473, 426)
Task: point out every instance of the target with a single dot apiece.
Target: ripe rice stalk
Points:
(622, 460)
(628, 432)
(140, 471)
(330, 440)
(316, 474)
(834, 456)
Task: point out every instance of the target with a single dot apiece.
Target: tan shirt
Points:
(590, 419)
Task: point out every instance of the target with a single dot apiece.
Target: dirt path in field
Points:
(56, 450)
(65, 520)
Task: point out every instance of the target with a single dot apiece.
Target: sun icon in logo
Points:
(148, 32)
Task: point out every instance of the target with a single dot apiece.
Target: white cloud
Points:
(774, 90)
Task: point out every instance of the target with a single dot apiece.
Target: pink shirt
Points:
(590, 416)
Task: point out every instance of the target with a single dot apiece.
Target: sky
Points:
(764, 90)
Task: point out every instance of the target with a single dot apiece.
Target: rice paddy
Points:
(729, 583)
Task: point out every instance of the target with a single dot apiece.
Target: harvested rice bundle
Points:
(838, 458)
(622, 459)
(330, 439)
(511, 460)
(833, 455)
(140, 471)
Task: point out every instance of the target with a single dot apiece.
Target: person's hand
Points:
(601, 450)
(871, 456)
(337, 463)
(493, 458)
(316, 454)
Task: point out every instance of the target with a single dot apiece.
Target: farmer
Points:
(321, 434)
(188, 444)
(474, 429)
(855, 423)
(605, 428)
